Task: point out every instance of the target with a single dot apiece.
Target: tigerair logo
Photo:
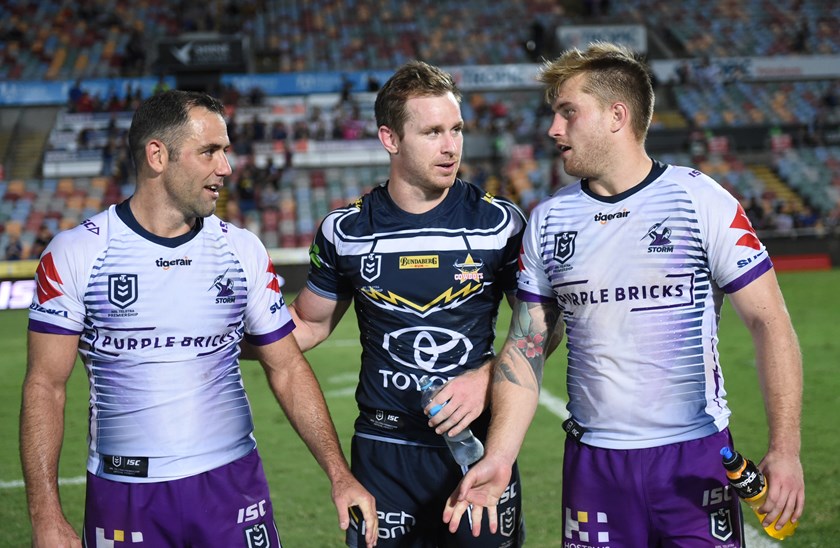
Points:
(448, 299)
(166, 264)
(604, 218)
(419, 261)
(469, 270)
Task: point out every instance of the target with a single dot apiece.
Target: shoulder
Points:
(563, 196)
(475, 197)
(91, 234)
(235, 235)
(342, 218)
(694, 182)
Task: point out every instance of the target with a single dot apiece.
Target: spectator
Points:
(42, 238)
(14, 249)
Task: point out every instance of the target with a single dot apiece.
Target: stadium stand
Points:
(772, 142)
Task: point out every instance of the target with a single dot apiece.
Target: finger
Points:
(493, 519)
(343, 517)
(475, 513)
(457, 512)
(371, 523)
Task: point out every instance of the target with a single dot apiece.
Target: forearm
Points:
(41, 437)
(779, 364)
(300, 396)
(515, 394)
(517, 375)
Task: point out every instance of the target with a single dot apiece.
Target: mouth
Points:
(448, 166)
(214, 189)
(563, 148)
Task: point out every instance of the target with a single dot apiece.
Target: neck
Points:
(622, 177)
(415, 199)
(159, 219)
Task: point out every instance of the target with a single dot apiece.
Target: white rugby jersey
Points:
(160, 322)
(640, 279)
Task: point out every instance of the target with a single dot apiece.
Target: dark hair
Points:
(414, 79)
(612, 73)
(165, 116)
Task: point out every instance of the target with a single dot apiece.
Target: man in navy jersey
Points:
(426, 258)
(635, 261)
(155, 295)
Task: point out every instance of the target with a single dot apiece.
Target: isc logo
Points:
(716, 496)
(510, 493)
(250, 513)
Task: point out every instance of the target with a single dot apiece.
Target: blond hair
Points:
(612, 73)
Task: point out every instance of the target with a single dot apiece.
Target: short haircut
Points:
(414, 79)
(611, 73)
(165, 116)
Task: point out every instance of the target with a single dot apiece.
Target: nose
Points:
(558, 127)
(223, 168)
(451, 143)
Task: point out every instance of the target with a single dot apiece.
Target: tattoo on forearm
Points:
(532, 328)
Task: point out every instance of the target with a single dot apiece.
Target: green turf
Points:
(300, 492)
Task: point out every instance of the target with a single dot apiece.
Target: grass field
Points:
(300, 492)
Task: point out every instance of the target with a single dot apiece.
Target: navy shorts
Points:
(228, 506)
(671, 496)
(411, 485)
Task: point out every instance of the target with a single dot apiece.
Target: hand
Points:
(466, 395)
(481, 488)
(786, 492)
(55, 534)
(347, 492)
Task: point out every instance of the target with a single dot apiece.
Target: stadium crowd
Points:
(266, 192)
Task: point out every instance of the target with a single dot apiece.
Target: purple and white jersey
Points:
(160, 321)
(640, 278)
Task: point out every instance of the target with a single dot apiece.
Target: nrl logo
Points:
(564, 246)
(122, 289)
(371, 267)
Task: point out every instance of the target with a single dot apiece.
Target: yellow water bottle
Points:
(751, 485)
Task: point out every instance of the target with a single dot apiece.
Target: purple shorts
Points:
(675, 495)
(228, 506)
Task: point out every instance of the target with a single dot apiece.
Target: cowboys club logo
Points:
(431, 349)
(122, 289)
(564, 246)
(371, 267)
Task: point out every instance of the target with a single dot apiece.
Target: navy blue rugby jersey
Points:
(426, 289)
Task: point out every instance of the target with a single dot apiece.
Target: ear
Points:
(389, 139)
(156, 155)
(620, 117)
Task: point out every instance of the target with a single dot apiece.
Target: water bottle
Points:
(465, 447)
(751, 485)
